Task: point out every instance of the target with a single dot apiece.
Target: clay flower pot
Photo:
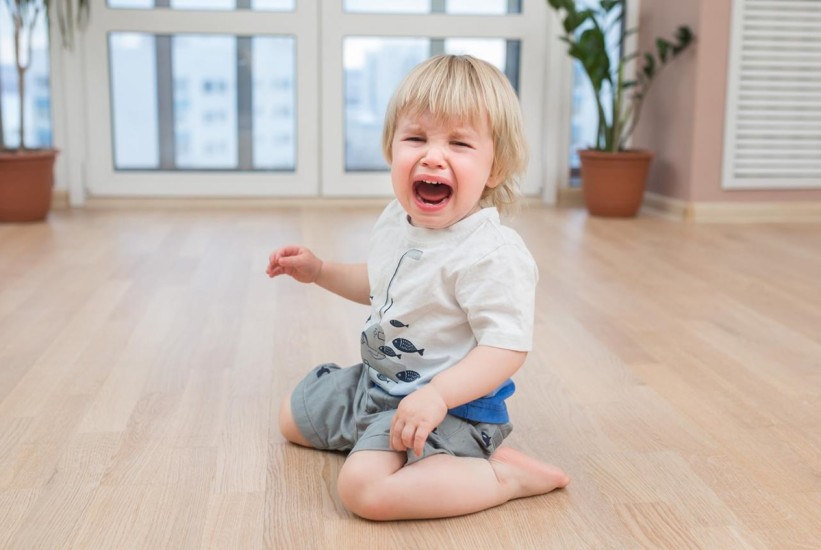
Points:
(613, 183)
(26, 179)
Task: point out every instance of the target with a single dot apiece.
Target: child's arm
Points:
(347, 280)
(482, 370)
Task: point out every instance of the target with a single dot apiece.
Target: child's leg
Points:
(376, 484)
(287, 426)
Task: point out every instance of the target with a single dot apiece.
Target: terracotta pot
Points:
(26, 179)
(613, 183)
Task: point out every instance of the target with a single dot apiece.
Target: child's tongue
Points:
(432, 193)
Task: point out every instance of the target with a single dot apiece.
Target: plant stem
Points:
(632, 113)
(615, 144)
(601, 138)
(21, 77)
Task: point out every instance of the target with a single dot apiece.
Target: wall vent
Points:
(772, 137)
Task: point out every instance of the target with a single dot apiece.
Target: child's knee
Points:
(287, 426)
(363, 489)
(357, 492)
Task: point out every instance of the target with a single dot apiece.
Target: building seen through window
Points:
(38, 96)
(204, 116)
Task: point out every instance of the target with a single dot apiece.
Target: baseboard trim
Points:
(667, 207)
(59, 199)
(734, 212)
(570, 197)
(100, 203)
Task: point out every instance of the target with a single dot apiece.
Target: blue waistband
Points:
(490, 408)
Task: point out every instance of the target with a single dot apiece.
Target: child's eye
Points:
(414, 138)
(461, 144)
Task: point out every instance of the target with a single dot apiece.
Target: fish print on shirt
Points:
(389, 352)
(375, 353)
(372, 338)
(373, 350)
(407, 375)
(407, 346)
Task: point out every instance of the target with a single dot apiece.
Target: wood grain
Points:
(676, 376)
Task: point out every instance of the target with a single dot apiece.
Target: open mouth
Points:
(431, 192)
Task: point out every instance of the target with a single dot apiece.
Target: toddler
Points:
(451, 293)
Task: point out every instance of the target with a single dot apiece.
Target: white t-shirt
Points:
(438, 293)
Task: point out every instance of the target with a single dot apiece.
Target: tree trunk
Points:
(21, 89)
(21, 79)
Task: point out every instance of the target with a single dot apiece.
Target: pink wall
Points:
(683, 116)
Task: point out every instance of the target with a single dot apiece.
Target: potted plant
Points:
(613, 177)
(27, 175)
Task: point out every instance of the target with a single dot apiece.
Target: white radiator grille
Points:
(772, 138)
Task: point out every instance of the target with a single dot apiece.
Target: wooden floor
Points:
(676, 377)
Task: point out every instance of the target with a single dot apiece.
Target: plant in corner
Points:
(613, 177)
(27, 175)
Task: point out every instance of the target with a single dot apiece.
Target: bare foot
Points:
(526, 476)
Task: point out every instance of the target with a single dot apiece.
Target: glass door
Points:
(369, 45)
(202, 98)
(279, 98)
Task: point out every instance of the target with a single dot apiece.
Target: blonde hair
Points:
(465, 88)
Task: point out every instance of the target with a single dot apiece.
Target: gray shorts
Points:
(340, 409)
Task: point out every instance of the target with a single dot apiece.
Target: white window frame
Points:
(83, 128)
(530, 27)
(101, 177)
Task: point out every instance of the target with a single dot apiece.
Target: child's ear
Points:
(493, 181)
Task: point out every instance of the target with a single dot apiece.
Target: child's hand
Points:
(296, 261)
(417, 415)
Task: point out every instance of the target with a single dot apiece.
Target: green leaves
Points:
(608, 5)
(667, 51)
(663, 48)
(568, 5)
(684, 37)
(575, 19)
(649, 68)
(586, 32)
(592, 52)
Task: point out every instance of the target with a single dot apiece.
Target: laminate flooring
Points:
(676, 376)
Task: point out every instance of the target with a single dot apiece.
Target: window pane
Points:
(373, 69)
(37, 109)
(461, 7)
(387, 6)
(184, 103)
(131, 4)
(492, 50)
(584, 121)
(375, 66)
(502, 54)
(205, 99)
(274, 103)
(273, 5)
(202, 4)
(134, 101)
(483, 7)
(260, 5)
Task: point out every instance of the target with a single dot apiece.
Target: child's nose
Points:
(434, 157)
